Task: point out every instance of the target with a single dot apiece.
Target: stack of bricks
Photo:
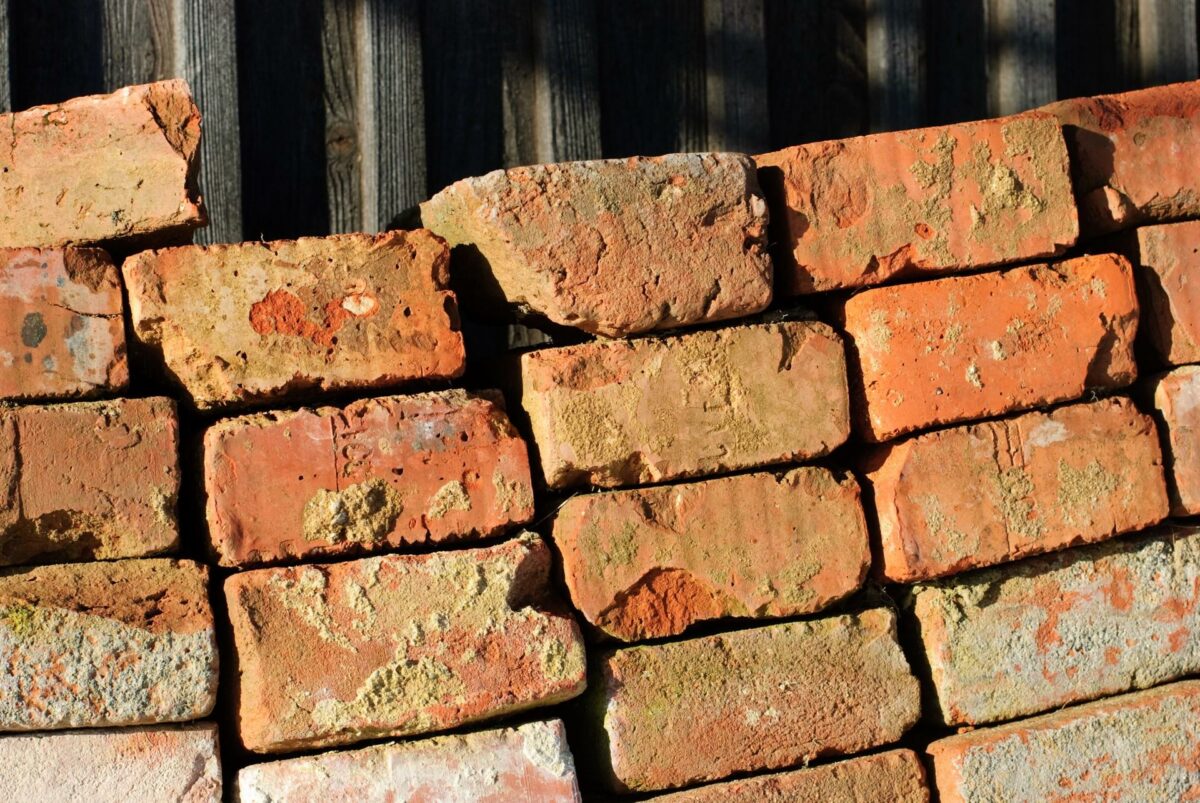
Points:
(866, 474)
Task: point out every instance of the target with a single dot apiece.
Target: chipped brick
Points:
(1169, 257)
(1177, 402)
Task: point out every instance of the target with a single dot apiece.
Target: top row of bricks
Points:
(620, 247)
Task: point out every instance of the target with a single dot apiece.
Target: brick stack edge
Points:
(868, 478)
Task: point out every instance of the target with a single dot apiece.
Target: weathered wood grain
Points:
(1022, 70)
(736, 75)
(1167, 38)
(896, 63)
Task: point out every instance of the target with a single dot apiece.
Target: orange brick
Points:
(100, 168)
(614, 246)
(703, 709)
(380, 473)
(895, 776)
(1169, 258)
(1177, 401)
(255, 322)
(622, 413)
(62, 334)
(975, 346)
(398, 645)
(88, 481)
(1128, 749)
(982, 494)
(1133, 155)
(861, 211)
(1063, 628)
(650, 562)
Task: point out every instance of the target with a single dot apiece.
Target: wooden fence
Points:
(335, 115)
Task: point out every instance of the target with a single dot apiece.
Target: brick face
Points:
(648, 563)
(1177, 402)
(618, 246)
(614, 414)
(1168, 257)
(955, 349)
(973, 496)
(377, 474)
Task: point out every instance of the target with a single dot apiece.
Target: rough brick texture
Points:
(61, 330)
(1169, 258)
(861, 211)
(622, 413)
(420, 643)
(379, 473)
(974, 346)
(99, 168)
(526, 763)
(136, 765)
(1129, 749)
(648, 563)
(88, 481)
(1097, 620)
(699, 710)
(1177, 400)
(259, 321)
(1133, 155)
(895, 776)
(982, 494)
(617, 246)
(95, 644)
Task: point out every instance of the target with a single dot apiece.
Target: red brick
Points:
(982, 494)
(255, 322)
(703, 709)
(377, 474)
(88, 481)
(895, 776)
(861, 211)
(139, 765)
(1064, 628)
(1133, 748)
(1169, 258)
(1133, 155)
(617, 246)
(96, 644)
(100, 168)
(526, 763)
(968, 347)
(420, 643)
(650, 562)
(1177, 402)
(621, 413)
(62, 334)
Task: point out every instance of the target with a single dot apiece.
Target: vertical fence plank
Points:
(1021, 58)
(956, 72)
(136, 42)
(569, 79)
(1167, 38)
(518, 84)
(55, 51)
(736, 75)
(5, 92)
(1097, 46)
(340, 69)
(896, 63)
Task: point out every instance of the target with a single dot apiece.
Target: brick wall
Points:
(857, 471)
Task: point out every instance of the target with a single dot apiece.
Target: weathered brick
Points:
(861, 211)
(1133, 155)
(650, 562)
(88, 481)
(620, 413)
(379, 473)
(258, 321)
(421, 643)
(1177, 401)
(100, 168)
(968, 347)
(95, 644)
(1133, 748)
(617, 246)
(62, 334)
(137, 765)
(1169, 256)
(1096, 620)
(982, 494)
(702, 709)
(526, 763)
(895, 776)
